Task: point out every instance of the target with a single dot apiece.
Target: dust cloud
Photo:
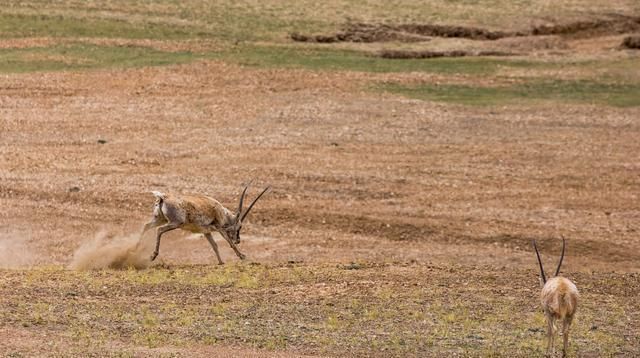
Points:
(115, 252)
(15, 253)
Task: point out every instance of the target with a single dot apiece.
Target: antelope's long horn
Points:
(561, 256)
(544, 279)
(252, 203)
(244, 192)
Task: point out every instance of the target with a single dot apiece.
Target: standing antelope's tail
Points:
(568, 303)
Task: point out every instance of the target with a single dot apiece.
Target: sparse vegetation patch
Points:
(619, 95)
(83, 56)
(391, 308)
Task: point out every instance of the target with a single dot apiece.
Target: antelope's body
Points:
(559, 299)
(198, 214)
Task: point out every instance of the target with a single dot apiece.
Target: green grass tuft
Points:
(19, 25)
(326, 58)
(583, 91)
(86, 56)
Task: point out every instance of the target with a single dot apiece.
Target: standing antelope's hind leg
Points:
(566, 324)
(214, 246)
(550, 334)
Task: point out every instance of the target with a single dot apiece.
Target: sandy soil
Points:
(355, 175)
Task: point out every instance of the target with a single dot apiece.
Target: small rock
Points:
(353, 266)
(74, 189)
(475, 336)
(593, 327)
(101, 141)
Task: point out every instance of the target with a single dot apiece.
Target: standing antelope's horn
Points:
(561, 256)
(544, 279)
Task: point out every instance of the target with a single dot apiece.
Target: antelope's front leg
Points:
(235, 249)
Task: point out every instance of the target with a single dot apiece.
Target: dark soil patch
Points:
(404, 33)
(360, 32)
(402, 54)
(472, 33)
(619, 25)
(364, 33)
(631, 42)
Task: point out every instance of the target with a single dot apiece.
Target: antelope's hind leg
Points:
(566, 324)
(150, 225)
(550, 335)
(157, 220)
(161, 230)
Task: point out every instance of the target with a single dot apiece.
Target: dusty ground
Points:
(354, 175)
(378, 202)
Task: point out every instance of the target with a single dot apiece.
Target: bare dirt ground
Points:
(357, 177)
(354, 175)
(378, 201)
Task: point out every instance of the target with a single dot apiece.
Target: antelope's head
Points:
(232, 230)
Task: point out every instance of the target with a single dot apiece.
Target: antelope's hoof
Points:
(242, 256)
(153, 256)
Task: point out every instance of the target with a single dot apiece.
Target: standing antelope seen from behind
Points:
(198, 214)
(559, 299)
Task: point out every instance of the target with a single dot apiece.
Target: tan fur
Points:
(559, 298)
(198, 214)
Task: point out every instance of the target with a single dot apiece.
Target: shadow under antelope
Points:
(198, 214)
(559, 298)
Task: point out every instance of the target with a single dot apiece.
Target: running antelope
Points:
(559, 299)
(198, 214)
